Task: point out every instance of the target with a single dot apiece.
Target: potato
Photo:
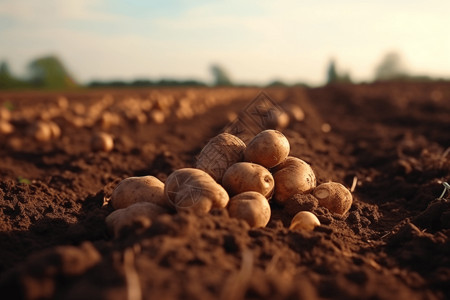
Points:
(194, 189)
(157, 116)
(109, 119)
(334, 196)
(55, 131)
(219, 154)
(62, 103)
(41, 131)
(5, 114)
(294, 111)
(244, 176)
(251, 207)
(278, 120)
(138, 189)
(139, 213)
(268, 148)
(6, 127)
(304, 220)
(102, 141)
(293, 176)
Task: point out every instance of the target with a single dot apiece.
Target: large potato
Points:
(251, 207)
(190, 188)
(138, 189)
(219, 154)
(334, 196)
(139, 213)
(293, 176)
(268, 148)
(244, 176)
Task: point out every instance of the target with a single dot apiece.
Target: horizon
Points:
(255, 42)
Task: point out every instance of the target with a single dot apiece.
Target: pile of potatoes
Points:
(229, 174)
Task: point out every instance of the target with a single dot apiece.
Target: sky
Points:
(255, 41)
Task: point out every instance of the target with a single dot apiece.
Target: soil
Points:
(388, 142)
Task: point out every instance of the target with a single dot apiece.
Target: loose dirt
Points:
(389, 141)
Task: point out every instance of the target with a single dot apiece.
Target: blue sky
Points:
(255, 41)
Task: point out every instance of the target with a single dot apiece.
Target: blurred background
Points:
(79, 43)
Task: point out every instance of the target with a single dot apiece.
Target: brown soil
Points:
(394, 243)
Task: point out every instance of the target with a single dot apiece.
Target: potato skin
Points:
(244, 176)
(138, 189)
(293, 176)
(139, 212)
(251, 207)
(268, 148)
(194, 189)
(334, 196)
(219, 154)
(304, 220)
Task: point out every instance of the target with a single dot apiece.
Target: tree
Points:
(333, 76)
(7, 80)
(391, 67)
(220, 75)
(49, 72)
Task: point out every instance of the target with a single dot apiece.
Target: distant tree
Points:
(391, 67)
(141, 82)
(7, 80)
(4, 68)
(49, 72)
(277, 83)
(220, 75)
(333, 76)
(5, 75)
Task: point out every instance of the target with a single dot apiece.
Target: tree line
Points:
(49, 72)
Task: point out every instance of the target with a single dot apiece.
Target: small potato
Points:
(109, 119)
(5, 114)
(304, 220)
(278, 120)
(268, 148)
(55, 131)
(102, 141)
(219, 154)
(41, 131)
(334, 196)
(294, 111)
(138, 214)
(138, 189)
(244, 176)
(62, 103)
(194, 189)
(6, 127)
(157, 116)
(251, 207)
(293, 176)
